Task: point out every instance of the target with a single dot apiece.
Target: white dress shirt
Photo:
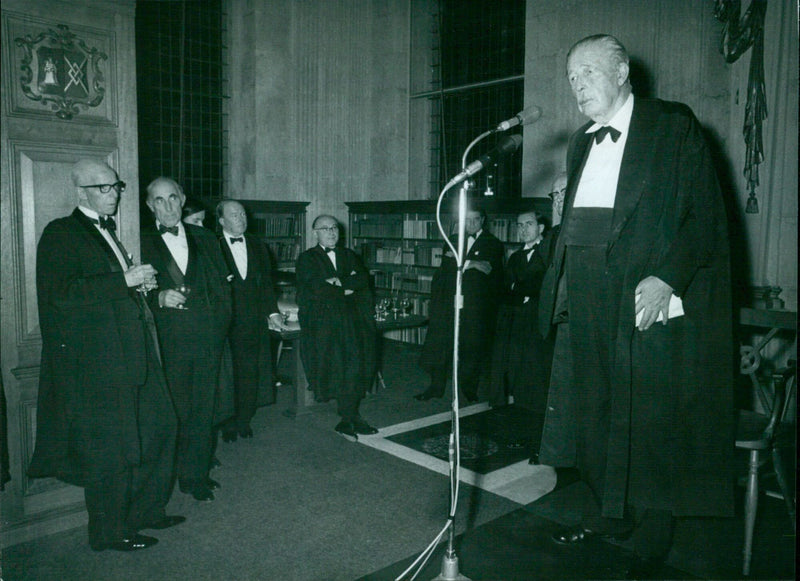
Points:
(178, 246)
(239, 252)
(95, 217)
(597, 187)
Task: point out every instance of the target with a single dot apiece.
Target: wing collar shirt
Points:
(597, 187)
(95, 218)
(178, 246)
(239, 252)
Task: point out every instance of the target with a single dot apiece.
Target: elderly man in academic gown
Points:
(641, 387)
(105, 421)
(338, 336)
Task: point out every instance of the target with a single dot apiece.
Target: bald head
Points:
(88, 175)
(165, 199)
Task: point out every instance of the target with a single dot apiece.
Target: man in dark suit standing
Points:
(105, 421)
(522, 357)
(338, 336)
(645, 314)
(193, 312)
(481, 287)
(255, 309)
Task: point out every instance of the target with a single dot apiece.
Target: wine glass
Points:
(405, 306)
(379, 312)
(386, 305)
(395, 302)
(185, 290)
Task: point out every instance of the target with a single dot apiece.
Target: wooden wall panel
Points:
(38, 151)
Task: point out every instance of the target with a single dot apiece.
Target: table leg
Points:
(302, 397)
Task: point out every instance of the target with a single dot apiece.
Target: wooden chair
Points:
(767, 432)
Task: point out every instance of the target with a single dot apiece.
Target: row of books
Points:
(402, 281)
(284, 251)
(414, 335)
(274, 226)
(379, 228)
(377, 252)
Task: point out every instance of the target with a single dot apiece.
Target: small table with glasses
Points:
(302, 396)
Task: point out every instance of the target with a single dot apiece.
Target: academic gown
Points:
(481, 294)
(338, 336)
(90, 416)
(670, 429)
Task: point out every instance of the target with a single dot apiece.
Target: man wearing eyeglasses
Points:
(338, 338)
(193, 312)
(557, 196)
(105, 420)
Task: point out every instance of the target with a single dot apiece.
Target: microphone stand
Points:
(450, 570)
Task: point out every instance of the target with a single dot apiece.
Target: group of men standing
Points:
(131, 352)
(634, 291)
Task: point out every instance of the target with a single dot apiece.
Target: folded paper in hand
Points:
(675, 309)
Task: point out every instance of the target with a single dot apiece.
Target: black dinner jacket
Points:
(205, 322)
(254, 297)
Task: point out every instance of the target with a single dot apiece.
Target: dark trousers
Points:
(193, 381)
(245, 342)
(126, 497)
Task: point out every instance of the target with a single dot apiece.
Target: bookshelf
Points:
(401, 245)
(281, 225)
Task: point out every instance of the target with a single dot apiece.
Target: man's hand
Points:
(482, 265)
(276, 322)
(171, 299)
(652, 297)
(141, 275)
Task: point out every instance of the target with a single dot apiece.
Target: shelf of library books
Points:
(282, 226)
(402, 247)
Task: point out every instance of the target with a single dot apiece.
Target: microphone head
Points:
(529, 115)
(509, 144)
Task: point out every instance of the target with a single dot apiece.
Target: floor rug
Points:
(495, 447)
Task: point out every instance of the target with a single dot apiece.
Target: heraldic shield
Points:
(59, 70)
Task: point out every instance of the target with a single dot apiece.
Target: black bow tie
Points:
(171, 229)
(601, 133)
(328, 250)
(239, 239)
(106, 223)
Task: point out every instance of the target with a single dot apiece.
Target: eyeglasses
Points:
(328, 228)
(556, 193)
(105, 188)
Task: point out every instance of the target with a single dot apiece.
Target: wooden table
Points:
(302, 396)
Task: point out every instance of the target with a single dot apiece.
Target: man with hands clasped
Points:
(338, 338)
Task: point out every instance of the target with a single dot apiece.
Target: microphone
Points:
(528, 115)
(508, 144)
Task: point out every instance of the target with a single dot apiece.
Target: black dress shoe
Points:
(133, 543)
(229, 435)
(362, 427)
(347, 430)
(215, 463)
(199, 490)
(165, 523)
(246, 432)
(428, 394)
(212, 484)
(645, 568)
(578, 534)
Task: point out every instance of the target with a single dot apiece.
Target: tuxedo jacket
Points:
(253, 298)
(200, 329)
(94, 332)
